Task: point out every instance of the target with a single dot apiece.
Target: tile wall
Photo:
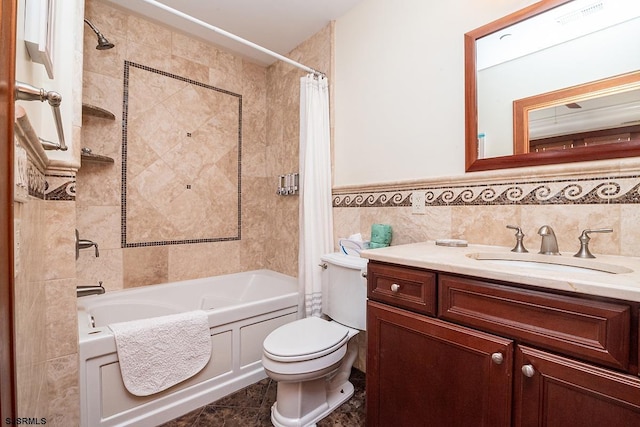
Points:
(45, 299)
(478, 209)
(100, 185)
(282, 145)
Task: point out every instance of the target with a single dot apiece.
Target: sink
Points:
(552, 263)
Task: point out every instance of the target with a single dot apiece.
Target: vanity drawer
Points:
(402, 287)
(592, 330)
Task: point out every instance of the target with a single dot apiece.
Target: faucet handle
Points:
(519, 247)
(597, 230)
(584, 238)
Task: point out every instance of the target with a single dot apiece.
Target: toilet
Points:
(311, 358)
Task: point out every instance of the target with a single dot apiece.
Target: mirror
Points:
(520, 72)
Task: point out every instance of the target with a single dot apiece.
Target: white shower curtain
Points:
(316, 217)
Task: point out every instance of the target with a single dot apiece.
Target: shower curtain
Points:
(316, 216)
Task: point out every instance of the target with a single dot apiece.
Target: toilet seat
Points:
(305, 339)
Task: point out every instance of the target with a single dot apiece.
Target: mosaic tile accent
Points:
(177, 186)
(60, 187)
(603, 190)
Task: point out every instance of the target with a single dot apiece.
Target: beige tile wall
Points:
(45, 311)
(99, 186)
(30, 309)
(61, 318)
(486, 224)
(282, 149)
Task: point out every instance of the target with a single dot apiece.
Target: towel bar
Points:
(27, 92)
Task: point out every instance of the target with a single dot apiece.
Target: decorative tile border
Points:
(604, 190)
(51, 187)
(60, 187)
(125, 107)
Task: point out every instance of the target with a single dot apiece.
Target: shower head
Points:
(103, 43)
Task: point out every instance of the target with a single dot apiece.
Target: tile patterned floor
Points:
(251, 407)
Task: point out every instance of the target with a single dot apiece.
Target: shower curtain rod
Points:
(234, 37)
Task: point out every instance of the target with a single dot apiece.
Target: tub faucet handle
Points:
(519, 247)
(84, 244)
(584, 238)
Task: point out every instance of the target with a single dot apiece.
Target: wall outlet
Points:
(417, 203)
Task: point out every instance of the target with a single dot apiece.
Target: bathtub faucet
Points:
(83, 291)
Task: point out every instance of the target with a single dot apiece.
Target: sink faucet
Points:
(549, 245)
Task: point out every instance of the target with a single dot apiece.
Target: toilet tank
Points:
(344, 289)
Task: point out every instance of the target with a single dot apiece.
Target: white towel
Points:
(159, 352)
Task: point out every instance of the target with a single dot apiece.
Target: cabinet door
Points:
(556, 391)
(426, 372)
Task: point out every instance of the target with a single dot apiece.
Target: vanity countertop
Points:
(459, 260)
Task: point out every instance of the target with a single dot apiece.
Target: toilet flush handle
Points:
(323, 265)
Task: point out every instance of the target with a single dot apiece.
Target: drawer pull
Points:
(497, 358)
(528, 371)
(395, 288)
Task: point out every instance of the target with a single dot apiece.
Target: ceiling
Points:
(563, 23)
(278, 25)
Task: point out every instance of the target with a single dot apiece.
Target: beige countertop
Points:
(462, 260)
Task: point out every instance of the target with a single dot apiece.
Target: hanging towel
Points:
(159, 352)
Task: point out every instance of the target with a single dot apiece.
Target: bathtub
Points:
(243, 309)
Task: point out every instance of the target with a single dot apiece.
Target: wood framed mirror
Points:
(499, 87)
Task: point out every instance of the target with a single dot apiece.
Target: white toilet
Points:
(311, 358)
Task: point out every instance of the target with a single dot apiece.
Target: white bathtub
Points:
(243, 309)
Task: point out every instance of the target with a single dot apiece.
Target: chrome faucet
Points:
(549, 244)
(83, 291)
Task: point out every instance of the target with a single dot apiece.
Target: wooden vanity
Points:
(452, 343)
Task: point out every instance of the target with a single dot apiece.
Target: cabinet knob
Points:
(395, 288)
(528, 371)
(497, 358)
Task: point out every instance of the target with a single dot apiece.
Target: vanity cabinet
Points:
(423, 371)
(403, 287)
(559, 391)
(496, 354)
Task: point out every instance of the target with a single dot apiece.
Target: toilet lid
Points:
(305, 338)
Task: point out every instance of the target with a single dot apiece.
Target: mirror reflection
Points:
(580, 122)
(550, 46)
